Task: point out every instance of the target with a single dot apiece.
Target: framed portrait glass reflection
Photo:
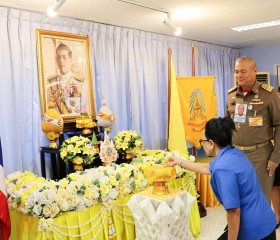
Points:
(65, 73)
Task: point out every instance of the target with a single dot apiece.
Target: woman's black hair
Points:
(219, 130)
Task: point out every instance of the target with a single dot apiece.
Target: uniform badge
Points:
(255, 121)
(240, 113)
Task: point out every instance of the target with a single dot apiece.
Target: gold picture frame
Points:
(65, 73)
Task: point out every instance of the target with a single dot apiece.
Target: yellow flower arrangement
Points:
(78, 150)
(129, 141)
(149, 158)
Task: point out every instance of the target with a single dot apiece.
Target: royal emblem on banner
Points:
(198, 105)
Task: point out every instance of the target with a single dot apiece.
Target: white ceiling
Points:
(212, 26)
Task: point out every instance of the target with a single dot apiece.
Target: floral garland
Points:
(43, 198)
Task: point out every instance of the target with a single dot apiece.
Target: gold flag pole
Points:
(169, 90)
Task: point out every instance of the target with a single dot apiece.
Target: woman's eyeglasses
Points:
(203, 140)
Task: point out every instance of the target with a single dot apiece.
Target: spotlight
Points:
(176, 30)
(52, 11)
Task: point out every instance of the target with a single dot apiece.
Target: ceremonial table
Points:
(161, 217)
(101, 222)
(207, 196)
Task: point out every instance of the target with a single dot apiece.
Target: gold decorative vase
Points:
(52, 137)
(96, 148)
(128, 155)
(52, 125)
(160, 175)
(78, 167)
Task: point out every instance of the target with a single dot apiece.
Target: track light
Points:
(176, 30)
(52, 11)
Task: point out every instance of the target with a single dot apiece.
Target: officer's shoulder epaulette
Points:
(232, 89)
(267, 87)
(79, 78)
(53, 76)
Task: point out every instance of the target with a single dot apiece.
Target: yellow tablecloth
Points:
(93, 223)
(207, 196)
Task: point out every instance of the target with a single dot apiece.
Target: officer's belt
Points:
(247, 148)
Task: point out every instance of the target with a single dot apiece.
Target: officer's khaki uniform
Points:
(254, 135)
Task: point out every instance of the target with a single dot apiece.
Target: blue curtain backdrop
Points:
(129, 69)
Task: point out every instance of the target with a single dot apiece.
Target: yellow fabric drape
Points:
(198, 105)
(207, 196)
(176, 136)
(25, 227)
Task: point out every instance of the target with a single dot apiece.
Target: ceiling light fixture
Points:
(176, 30)
(52, 11)
(257, 26)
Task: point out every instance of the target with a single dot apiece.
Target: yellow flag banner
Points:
(176, 134)
(198, 105)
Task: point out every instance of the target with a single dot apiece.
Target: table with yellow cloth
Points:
(207, 196)
(97, 222)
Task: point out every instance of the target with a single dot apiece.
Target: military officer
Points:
(254, 134)
(69, 91)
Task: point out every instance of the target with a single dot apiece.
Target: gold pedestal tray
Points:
(86, 123)
(160, 175)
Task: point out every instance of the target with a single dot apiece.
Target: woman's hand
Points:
(172, 161)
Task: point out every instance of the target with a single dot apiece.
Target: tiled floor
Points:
(214, 223)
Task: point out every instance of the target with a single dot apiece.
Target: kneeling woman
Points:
(235, 184)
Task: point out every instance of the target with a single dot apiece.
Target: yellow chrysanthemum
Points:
(78, 160)
(73, 176)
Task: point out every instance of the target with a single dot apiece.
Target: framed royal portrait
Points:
(65, 74)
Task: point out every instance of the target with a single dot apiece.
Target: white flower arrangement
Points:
(77, 149)
(128, 140)
(43, 198)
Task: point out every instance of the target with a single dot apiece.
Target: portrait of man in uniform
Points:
(65, 73)
(240, 113)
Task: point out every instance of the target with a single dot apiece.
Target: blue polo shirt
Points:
(236, 185)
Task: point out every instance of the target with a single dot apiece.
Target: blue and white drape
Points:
(129, 69)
